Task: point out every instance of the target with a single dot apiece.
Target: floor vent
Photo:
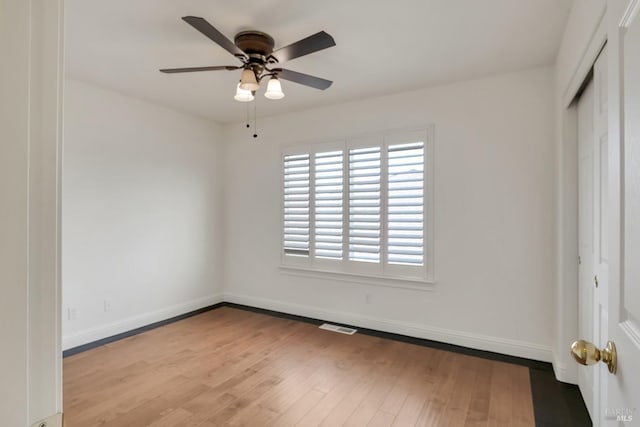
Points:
(339, 329)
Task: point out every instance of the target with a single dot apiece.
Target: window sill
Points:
(390, 282)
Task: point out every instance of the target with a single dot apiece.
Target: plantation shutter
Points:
(328, 204)
(405, 207)
(364, 204)
(296, 205)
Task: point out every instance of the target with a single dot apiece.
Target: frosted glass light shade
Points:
(248, 80)
(274, 89)
(243, 95)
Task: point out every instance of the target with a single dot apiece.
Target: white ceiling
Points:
(382, 46)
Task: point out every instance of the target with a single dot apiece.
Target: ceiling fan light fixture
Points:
(248, 80)
(243, 95)
(274, 89)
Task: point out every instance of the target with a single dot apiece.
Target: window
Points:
(362, 206)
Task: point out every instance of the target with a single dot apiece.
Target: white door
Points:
(593, 230)
(585, 236)
(601, 229)
(623, 398)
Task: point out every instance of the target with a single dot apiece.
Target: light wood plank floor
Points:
(239, 368)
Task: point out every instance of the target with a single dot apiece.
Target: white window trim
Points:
(365, 279)
(353, 271)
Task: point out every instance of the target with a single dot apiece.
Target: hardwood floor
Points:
(235, 367)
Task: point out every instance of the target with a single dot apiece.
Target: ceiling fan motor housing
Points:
(258, 47)
(254, 42)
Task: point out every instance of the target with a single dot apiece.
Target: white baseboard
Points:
(476, 341)
(103, 331)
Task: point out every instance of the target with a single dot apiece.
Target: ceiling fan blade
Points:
(192, 69)
(311, 44)
(208, 30)
(304, 79)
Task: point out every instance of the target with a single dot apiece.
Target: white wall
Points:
(141, 213)
(494, 215)
(30, 88)
(579, 46)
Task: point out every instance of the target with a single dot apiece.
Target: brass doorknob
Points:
(586, 354)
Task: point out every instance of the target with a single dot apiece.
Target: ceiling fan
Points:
(255, 50)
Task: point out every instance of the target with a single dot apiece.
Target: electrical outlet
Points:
(108, 306)
(72, 313)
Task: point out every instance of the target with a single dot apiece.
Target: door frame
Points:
(31, 39)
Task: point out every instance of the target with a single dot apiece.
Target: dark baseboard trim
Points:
(555, 404)
(274, 313)
(107, 340)
(529, 363)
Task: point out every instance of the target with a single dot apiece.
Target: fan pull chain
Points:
(255, 122)
(248, 125)
(255, 119)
